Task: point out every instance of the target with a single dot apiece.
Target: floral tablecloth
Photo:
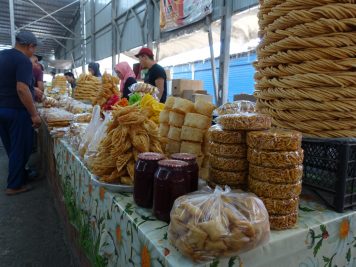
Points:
(122, 234)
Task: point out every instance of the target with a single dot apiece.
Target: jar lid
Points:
(171, 163)
(151, 156)
(184, 156)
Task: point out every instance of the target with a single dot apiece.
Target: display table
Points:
(118, 233)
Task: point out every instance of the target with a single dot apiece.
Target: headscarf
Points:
(126, 71)
(96, 68)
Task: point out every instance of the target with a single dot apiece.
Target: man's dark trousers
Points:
(16, 133)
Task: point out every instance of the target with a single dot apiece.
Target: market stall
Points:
(127, 235)
(113, 230)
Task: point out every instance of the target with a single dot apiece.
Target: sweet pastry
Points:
(218, 135)
(275, 139)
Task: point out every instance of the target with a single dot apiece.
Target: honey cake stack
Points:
(228, 149)
(275, 173)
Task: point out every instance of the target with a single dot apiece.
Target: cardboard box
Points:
(207, 98)
(202, 92)
(179, 85)
(188, 94)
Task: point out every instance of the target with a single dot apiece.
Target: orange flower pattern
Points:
(145, 257)
(344, 228)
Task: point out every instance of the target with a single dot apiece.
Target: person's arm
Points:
(160, 85)
(25, 96)
(40, 85)
(38, 94)
(39, 80)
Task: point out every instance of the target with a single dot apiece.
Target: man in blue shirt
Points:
(18, 114)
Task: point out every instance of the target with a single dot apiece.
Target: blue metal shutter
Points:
(241, 74)
(182, 72)
(202, 71)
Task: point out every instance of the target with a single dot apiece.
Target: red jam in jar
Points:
(192, 170)
(145, 168)
(169, 184)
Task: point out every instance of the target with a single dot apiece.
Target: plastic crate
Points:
(330, 170)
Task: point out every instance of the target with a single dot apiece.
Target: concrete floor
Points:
(31, 234)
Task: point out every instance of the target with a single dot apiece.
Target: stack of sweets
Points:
(184, 126)
(194, 134)
(87, 87)
(275, 173)
(171, 122)
(228, 150)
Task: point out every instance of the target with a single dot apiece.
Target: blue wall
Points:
(241, 74)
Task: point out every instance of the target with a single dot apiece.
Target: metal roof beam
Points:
(12, 21)
(60, 23)
(50, 15)
(57, 37)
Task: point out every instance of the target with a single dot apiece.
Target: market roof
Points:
(47, 19)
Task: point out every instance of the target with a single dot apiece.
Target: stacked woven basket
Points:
(306, 77)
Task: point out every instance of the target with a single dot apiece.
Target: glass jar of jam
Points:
(145, 168)
(169, 184)
(192, 169)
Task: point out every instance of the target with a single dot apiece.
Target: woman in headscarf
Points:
(127, 77)
(94, 69)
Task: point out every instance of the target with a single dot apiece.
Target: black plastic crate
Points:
(330, 170)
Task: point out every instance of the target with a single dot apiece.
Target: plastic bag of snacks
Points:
(98, 136)
(144, 88)
(240, 106)
(75, 133)
(94, 124)
(218, 223)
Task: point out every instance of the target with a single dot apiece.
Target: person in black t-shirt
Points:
(127, 77)
(156, 75)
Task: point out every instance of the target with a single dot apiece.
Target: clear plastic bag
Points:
(144, 88)
(241, 106)
(94, 124)
(275, 139)
(50, 102)
(75, 133)
(82, 117)
(99, 135)
(58, 115)
(59, 132)
(275, 159)
(244, 121)
(215, 223)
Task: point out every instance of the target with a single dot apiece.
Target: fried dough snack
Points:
(87, 87)
(213, 223)
(275, 139)
(59, 82)
(228, 164)
(278, 159)
(228, 150)
(218, 135)
(284, 175)
(129, 134)
(274, 190)
(305, 69)
(227, 177)
(244, 121)
(281, 222)
(107, 90)
(276, 206)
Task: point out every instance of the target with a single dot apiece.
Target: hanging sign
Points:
(179, 13)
